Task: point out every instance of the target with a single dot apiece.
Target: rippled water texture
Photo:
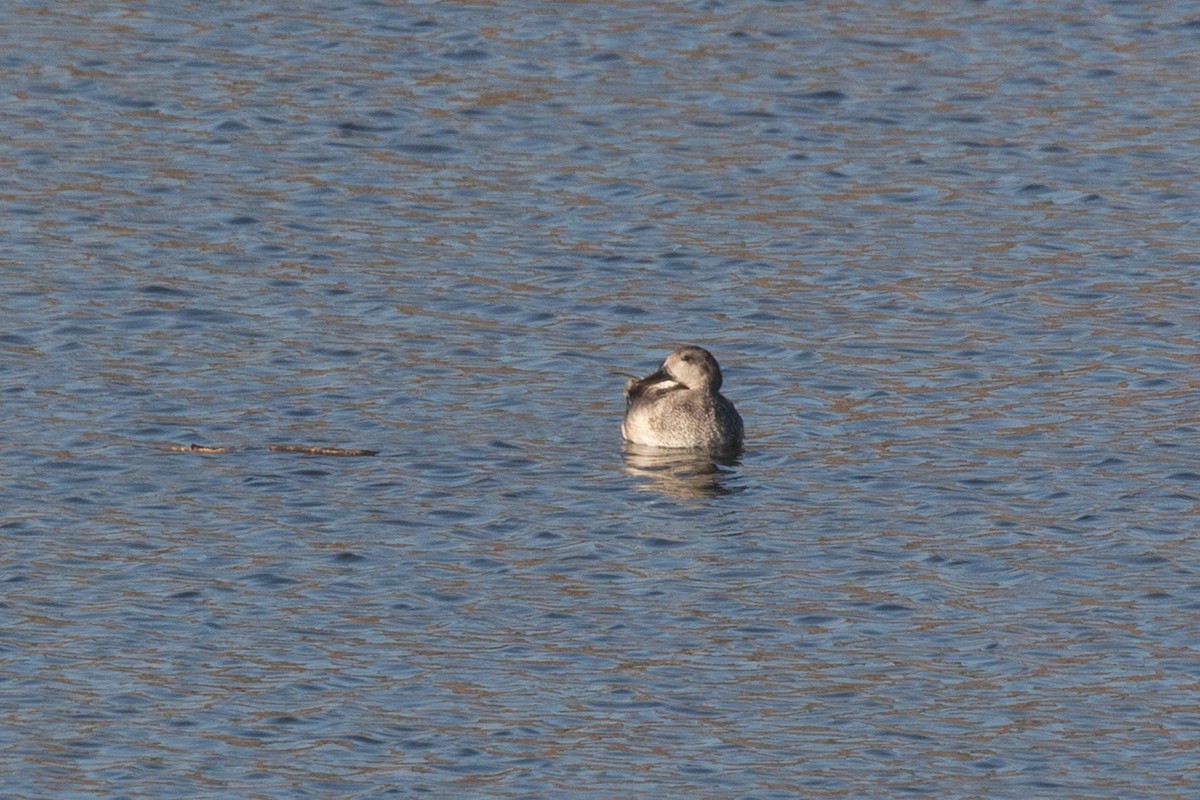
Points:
(945, 252)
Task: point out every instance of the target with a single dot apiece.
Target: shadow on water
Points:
(684, 473)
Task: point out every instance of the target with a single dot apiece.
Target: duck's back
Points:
(682, 418)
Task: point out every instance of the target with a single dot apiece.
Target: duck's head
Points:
(687, 367)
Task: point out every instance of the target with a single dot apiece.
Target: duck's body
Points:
(681, 405)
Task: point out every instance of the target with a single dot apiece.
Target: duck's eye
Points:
(687, 358)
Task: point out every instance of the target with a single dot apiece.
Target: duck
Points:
(680, 405)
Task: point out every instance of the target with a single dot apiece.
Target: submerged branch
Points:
(304, 449)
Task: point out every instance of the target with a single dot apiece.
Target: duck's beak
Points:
(636, 386)
(658, 376)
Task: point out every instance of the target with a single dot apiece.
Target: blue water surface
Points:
(945, 252)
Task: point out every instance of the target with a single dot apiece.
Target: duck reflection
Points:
(684, 473)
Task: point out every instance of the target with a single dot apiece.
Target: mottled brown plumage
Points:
(680, 405)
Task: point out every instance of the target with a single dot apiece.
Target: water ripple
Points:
(946, 257)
